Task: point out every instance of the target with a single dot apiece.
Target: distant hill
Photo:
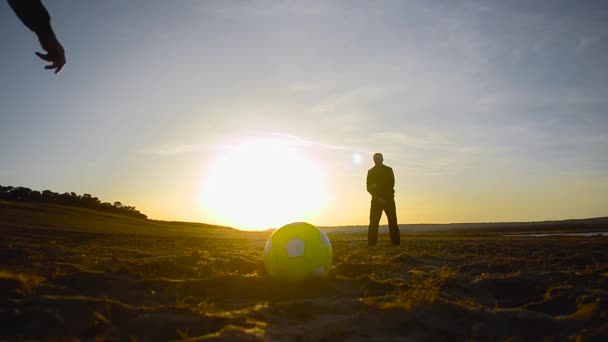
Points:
(43, 216)
(574, 225)
(23, 194)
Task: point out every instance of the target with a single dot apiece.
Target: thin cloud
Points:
(178, 149)
(586, 43)
(290, 139)
(307, 142)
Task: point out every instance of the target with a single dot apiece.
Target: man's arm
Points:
(371, 184)
(33, 15)
(391, 179)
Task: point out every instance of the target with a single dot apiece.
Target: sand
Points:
(57, 283)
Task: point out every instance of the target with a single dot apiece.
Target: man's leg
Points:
(393, 226)
(375, 212)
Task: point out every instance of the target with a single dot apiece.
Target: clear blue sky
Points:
(487, 110)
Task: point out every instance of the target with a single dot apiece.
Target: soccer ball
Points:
(298, 251)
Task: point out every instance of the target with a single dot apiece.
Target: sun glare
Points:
(263, 184)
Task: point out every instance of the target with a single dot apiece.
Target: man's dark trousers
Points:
(375, 214)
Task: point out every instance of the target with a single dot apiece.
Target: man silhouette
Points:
(380, 184)
(33, 15)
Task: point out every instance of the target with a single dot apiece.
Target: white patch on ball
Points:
(267, 247)
(325, 239)
(320, 271)
(295, 247)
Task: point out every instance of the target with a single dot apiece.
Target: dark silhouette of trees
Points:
(88, 201)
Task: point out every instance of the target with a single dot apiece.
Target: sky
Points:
(486, 110)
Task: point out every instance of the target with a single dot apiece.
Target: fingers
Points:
(57, 61)
(44, 56)
(56, 66)
(59, 68)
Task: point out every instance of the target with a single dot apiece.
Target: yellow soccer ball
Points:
(298, 251)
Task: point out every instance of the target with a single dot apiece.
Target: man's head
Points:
(378, 158)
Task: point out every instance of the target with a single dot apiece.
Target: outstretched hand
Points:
(54, 53)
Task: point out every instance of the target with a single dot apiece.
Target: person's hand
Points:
(381, 200)
(372, 186)
(54, 53)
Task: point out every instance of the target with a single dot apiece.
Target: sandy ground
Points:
(85, 285)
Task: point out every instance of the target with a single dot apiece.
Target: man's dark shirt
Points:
(33, 15)
(384, 179)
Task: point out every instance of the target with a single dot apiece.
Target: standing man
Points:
(33, 15)
(380, 184)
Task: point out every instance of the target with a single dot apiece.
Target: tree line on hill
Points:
(23, 194)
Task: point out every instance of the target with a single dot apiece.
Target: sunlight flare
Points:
(263, 184)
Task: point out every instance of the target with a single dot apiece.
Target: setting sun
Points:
(263, 184)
